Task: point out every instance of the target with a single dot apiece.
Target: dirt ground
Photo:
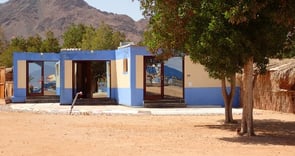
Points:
(29, 134)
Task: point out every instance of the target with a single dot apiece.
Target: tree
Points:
(7, 56)
(16, 44)
(213, 46)
(87, 38)
(169, 32)
(90, 38)
(102, 38)
(34, 43)
(264, 25)
(31, 44)
(3, 42)
(73, 36)
(3, 46)
(224, 36)
(117, 37)
(50, 43)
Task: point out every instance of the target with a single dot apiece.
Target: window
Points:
(125, 65)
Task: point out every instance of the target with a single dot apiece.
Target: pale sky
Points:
(127, 7)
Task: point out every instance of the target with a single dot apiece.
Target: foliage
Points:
(206, 36)
(167, 29)
(76, 36)
(90, 38)
(50, 44)
(203, 29)
(31, 44)
(102, 38)
(73, 36)
(215, 43)
(19, 44)
(34, 43)
(3, 42)
(7, 56)
(16, 44)
(223, 35)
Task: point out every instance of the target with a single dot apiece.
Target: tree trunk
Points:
(247, 118)
(228, 98)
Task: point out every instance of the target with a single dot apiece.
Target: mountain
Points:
(29, 17)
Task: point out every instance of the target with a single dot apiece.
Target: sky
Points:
(126, 7)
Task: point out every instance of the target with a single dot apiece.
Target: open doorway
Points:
(92, 78)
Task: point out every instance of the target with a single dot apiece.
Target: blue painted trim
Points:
(19, 95)
(16, 90)
(137, 97)
(133, 78)
(138, 50)
(114, 94)
(18, 99)
(103, 55)
(208, 96)
(137, 94)
(29, 56)
(122, 53)
(57, 91)
(122, 96)
(66, 96)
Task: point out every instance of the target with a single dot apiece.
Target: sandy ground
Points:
(29, 134)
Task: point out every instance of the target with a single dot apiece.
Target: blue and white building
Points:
(129, 75)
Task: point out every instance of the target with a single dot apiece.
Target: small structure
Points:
(275, 90)
(129, 76)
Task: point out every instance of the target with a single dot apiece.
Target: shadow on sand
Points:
(268, 132)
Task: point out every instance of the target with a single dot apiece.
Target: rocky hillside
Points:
(29, 17)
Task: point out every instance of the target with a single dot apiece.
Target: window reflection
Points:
(173, 78)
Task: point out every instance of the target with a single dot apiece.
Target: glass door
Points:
(153, 78)
(173, 78)
(51, 76)
(35, 75)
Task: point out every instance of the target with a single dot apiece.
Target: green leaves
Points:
(73, 36)
(50, 44)
(76, 36)
(31, 44)
(219, 34)
(89, 38)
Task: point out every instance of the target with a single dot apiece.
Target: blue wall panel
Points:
(114, 93)
(137, 93)
(57, 91)
(123, 53)
(137, 50)
(19, 95)
(88, 55)
(36, 56)
(123, 96)
(208, 96)
(66, 97)
(137, 97)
